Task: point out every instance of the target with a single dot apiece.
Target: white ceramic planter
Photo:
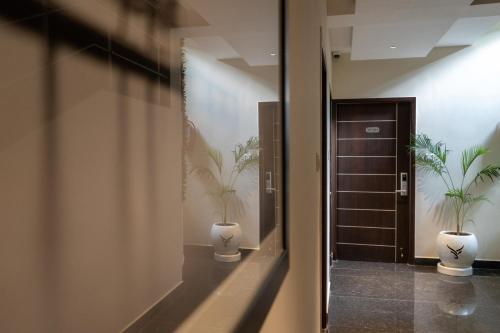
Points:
(457, 252)
(226, 241)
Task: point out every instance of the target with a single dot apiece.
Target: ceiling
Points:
(391, 29)
(243, 29)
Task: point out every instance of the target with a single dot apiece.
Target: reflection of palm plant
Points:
(246, 158)
(432, 157)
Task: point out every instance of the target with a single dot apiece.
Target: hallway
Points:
(384, 297)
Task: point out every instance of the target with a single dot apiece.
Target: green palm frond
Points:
(490, 171)
(429, 156)
(246, 156)
(456, 193)
(242, 150)
(216, 157)
(238, 152)
(472, 200)
(424, 144)
(470, 155)
(465, 197)
(249, 162)
(429, 163)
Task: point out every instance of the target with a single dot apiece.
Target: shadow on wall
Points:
(90, 157)
(492, 143)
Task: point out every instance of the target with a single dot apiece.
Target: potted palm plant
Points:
(457, 249)
(225, 232)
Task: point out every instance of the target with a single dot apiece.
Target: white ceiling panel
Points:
(414, 27)
(415, 6)
(216, 46)
(251, 28)
(397, 40)
(467, 30)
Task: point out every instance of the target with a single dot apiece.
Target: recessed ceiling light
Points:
(393, 47)
(273, 54)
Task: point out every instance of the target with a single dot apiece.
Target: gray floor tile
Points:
(382, 297)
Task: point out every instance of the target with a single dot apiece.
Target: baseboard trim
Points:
(426, 261)
(484, 264)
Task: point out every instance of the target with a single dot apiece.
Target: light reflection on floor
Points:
(383, 297)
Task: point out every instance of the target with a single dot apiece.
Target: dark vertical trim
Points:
(324, 194)
(333, 180)
(285, 119)
(411, 240)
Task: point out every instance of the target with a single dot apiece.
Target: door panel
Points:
(376, 129)
(358, 112)
(362, 200)
(362, 235)
(368, 253)
(366, 165)
(377, 183)
(375, 148)
(372, 218)
(363, 218)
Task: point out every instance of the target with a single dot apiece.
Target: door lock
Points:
(403, 181)
(269, 182)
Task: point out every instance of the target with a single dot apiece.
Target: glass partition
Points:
(140, 163)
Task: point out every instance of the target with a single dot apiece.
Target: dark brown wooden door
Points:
(374, 218)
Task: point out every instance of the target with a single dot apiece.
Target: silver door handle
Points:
(403, 181)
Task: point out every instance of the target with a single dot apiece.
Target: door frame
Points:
(325, 195)
(333, 169)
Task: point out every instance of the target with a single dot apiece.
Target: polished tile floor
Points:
(383, 297)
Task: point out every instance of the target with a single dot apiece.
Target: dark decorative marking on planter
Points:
(455, 252)
(226, 240)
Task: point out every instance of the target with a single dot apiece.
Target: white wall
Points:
(458, 102)
(222, 101)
